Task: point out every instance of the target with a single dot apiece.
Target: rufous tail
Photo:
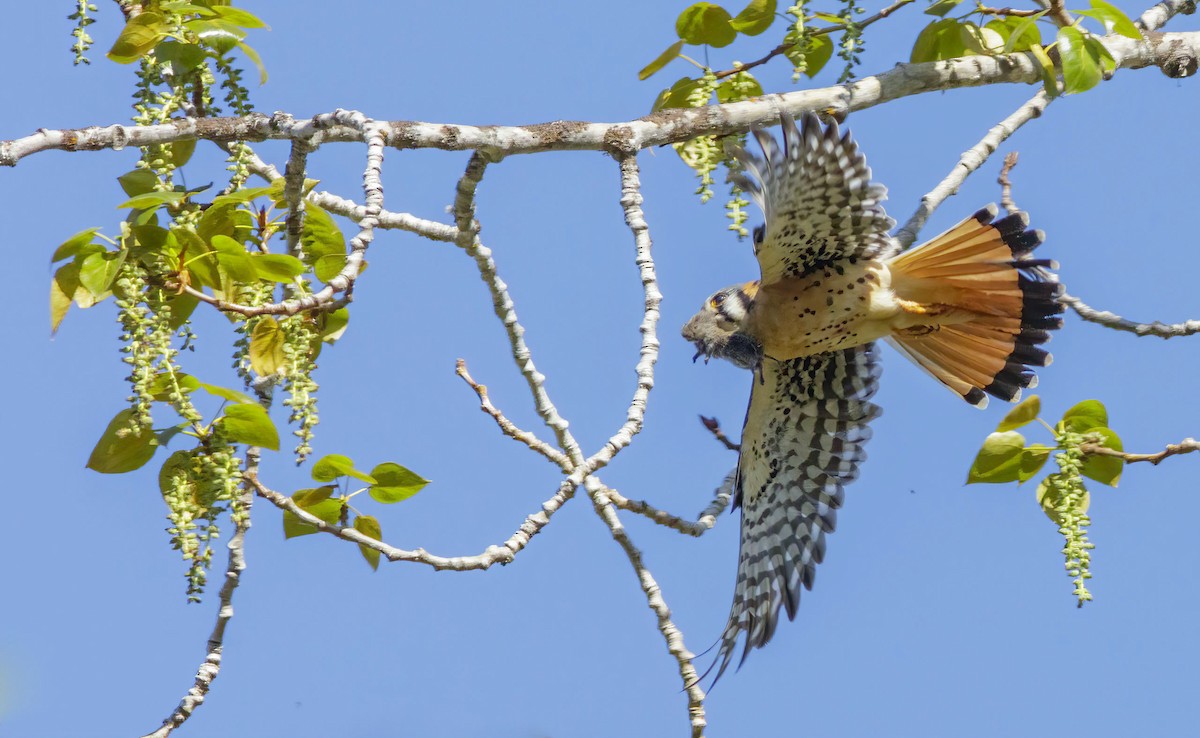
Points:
(1000, 303)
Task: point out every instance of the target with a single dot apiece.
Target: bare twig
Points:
(507, 426)
(211, 666)
(502, 304)
(293, 193)
(1157, 16)
(1008, 12)
(1186, 446)
(714, 427)
(971, 159)
(1116, 322)
(704, 521)
(784, 48)
(607, 512)
(1006, 199)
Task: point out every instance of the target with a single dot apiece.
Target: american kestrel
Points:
(971, 307)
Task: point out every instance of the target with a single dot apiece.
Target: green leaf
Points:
(63, 285)
(661, 60)
(182, 307)
(369, 526)
(219, 35)
(320, 235)
(1022, 414)
(394, 483)
(830, 18)
(980, 41)
(1049, 499)
(740, 86)
(941, 7)
(120, 449)
(181, 152)
(329, 266)
(141, 34)
(97, 271)
(999, 460)
(1032, 460)
(250, 424)
(266, 347)
(1108, 64)
(163, 384)
(315, 502)
(939, 40)
(755, 17)
(239, 17)
(228, 394)
(198, 258)
(1114, 20)
(182, 57)
(1085, 416)
(705, 23)
(1081, 67)
(255, 59)
(1023, 34)
(332, 466)
(234, 259)
(178, 464)
(278, 267)
(816, 56)
(1049, 76)
(72, 245)
(1104, 469)
(152, 200)
(676, 96)
(138, 182)
(332, 325)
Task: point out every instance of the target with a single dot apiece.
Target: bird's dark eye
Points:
(717, 299)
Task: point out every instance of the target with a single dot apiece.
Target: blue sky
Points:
(941, 610)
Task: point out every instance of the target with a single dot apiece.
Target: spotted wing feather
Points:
(816, 193)
(802, 443)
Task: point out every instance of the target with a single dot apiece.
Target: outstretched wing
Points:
(816, 193)
(802, 443)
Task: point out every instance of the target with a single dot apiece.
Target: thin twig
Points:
(714, 427)
(971, 160)
(293, 194)
(507, 426)
(1006, 199)
(784, 48)
(1186, 446)
(1008, 12)
(1116, 322)
(671, 634)
(211, 666)
(704, 521)
(501, 554)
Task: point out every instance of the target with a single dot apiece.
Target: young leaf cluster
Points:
(1082, 60)
(388, 483)
(1062, 495)
(708, 25)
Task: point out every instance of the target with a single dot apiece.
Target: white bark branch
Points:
(704, 521)
(211, 666)
(1116, 322)
(663, 127)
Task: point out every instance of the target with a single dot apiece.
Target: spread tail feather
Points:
(983, 269)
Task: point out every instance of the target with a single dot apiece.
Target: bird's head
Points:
(717, 329)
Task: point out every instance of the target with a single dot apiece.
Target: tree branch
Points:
(501, 554)
(1006, 199)
(1116, 322)
(704, 521)
(971, 160)
(1186, 446)
(211, 666)
(675, 646)
(507, 426)
(663, 127)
